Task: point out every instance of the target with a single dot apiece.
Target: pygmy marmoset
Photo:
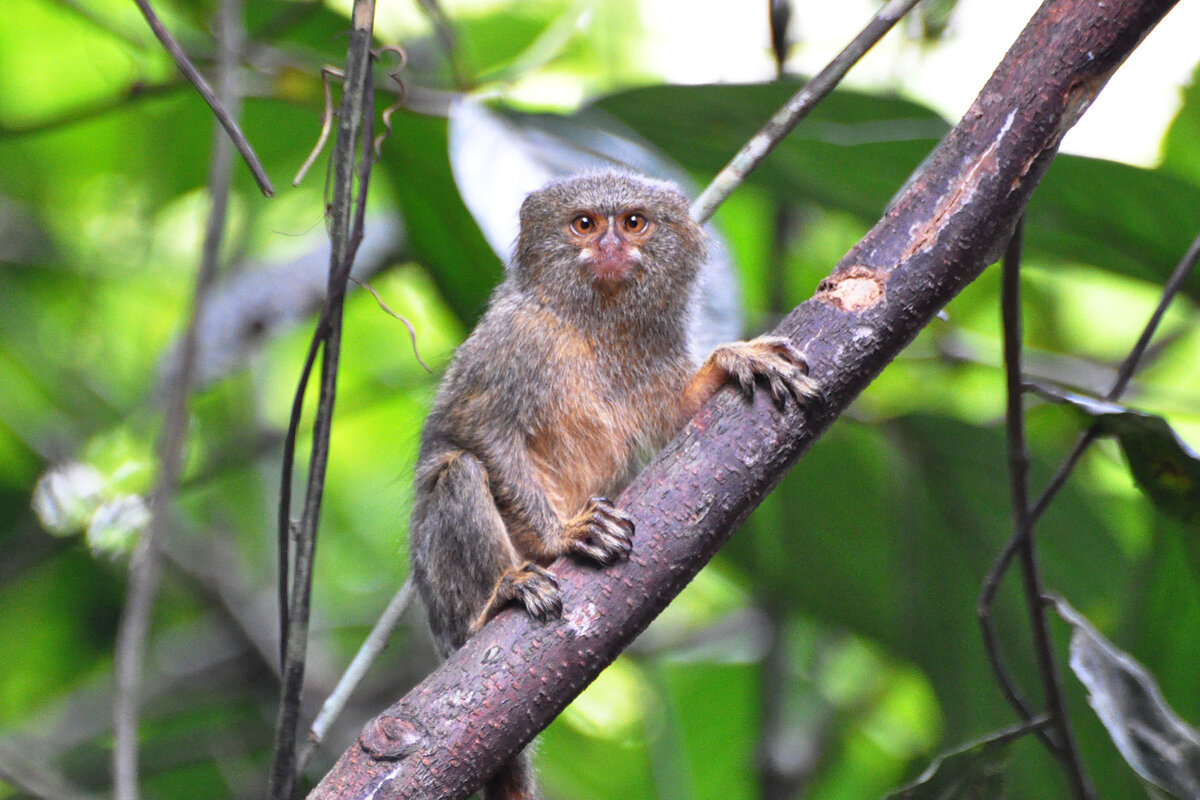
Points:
(579, 370)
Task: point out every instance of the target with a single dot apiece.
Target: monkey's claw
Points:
(777, 362)
(537, 589)
(604, 532)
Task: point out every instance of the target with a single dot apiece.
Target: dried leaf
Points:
(1160, 747)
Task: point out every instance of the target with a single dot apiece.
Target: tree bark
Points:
(491, 697)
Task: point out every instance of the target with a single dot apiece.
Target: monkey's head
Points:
(611, 238)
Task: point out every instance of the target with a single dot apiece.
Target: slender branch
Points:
(1063, 747)
(795, 110)
(145, 566)
(491, 696)
(346, 214)
(1018, 475)
(371, 647)
(218, 108)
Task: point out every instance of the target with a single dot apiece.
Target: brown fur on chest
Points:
(591, 442)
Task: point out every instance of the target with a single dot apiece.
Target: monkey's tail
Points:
(514, 781)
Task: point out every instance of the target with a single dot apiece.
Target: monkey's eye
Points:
(583, 224)
(635, 222)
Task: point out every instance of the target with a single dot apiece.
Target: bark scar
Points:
(926, 236)
(852, 288)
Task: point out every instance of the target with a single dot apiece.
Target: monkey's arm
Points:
(769, 357)
(598, 531)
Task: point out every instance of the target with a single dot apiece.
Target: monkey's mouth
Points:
(612, 268)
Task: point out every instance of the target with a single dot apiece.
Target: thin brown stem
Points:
(346, 215)
(371, 647)
(1064, 748)
(796, 109)
(1174, 284)
(218, 108)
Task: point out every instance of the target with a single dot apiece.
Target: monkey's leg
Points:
(771, 358)
(464, 561)
(513, 781)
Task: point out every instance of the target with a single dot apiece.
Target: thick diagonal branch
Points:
(452, 731)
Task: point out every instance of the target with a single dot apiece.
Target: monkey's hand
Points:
(771, 358)
(601, 532)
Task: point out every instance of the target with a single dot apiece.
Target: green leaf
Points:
(1160, 747)
(1179, 153)
(1163, 465)
(974, 772)
(442, 235)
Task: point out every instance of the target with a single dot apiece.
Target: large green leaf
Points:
(1179, 152)
(856, 150)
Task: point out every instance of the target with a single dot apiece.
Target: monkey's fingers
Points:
(783, 368)
(606, 535)
(537, 589)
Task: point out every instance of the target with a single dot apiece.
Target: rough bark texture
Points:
(446, 736)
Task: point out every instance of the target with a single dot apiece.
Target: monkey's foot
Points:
(536, 588)
(601, 532)
(773, 359)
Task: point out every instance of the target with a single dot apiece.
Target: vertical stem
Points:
(1018, 459)
(351, 158)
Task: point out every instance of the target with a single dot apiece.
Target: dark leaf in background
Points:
(1163, 465)
(855, 151)
(1159, 746)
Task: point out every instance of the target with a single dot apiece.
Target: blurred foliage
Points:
(831, 651)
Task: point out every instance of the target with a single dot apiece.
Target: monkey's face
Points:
(611, 237)
(610, 245)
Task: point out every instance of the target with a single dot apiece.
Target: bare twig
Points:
(1063, 745)
(401, 93)
(1017, 543)
(371, 647)
(218, 108)
(327, 113)
(1018, 474)
(145, 565)
(345, 233)
(795, 110)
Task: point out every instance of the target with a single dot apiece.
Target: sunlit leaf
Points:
(1164, 466)
(1179, 151)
